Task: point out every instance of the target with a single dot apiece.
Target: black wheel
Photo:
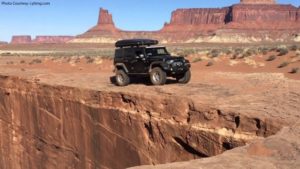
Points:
(185, 78)
(158, 76)
(122, 79)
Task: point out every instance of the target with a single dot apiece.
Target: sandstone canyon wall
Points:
(44, 126)
(249, 21)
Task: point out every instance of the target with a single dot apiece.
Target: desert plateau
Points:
(60, 108)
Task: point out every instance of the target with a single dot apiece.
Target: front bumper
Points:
(177, 68)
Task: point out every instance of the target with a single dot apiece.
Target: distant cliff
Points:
(26, 39)
(249, 21)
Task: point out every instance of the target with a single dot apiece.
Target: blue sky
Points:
(73, 17)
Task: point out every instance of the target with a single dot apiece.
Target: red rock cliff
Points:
(258, 2)
(199, 16)
(23, 39)
(264, 13)
(105, 17)
(53, 39)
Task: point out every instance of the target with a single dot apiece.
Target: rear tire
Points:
(158, 76)
(122, 79)
(185, 78)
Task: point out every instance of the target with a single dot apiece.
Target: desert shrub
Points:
(6, 54)
(282, 51)
(271, 58)
(35, 61)
(294, 47)
(264, 51)
(210, 63)
(214, 53)
(283, 64)
(234, 56)
(22, 61)
(228, 52)
(197, 60)
(238, 51)
(294, 70)
(89, 59)
(186, 52)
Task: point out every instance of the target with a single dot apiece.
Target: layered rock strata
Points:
(45, 126)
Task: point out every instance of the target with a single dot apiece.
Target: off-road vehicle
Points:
(141, 58)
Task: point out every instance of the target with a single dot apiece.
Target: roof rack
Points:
(135, 42)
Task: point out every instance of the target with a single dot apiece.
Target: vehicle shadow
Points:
(142, 80)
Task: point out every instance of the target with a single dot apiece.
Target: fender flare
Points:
(160, 63)
(121, 65)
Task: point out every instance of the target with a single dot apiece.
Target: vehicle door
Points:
(140, 62)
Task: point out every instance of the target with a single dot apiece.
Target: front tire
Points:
(122, 79)
(185, 78)
(158, 76)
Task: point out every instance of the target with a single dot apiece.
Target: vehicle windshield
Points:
(156, 51)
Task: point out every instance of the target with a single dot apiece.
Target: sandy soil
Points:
(253, 90)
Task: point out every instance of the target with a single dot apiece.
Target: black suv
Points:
(138, 57)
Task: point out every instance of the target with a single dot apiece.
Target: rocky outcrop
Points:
(279, 151)
(258, 1)
(22, 39)
(52, 39)
(44, 126)
(105, 17)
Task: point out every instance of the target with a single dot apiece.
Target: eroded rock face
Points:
(105, 17)
(199, 16)
(49, 127)
(52, 39)
(258, 1)
(279, 151)
(264, 13)
(23, 39)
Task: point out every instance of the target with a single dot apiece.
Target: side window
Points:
(129, 52)
(118, 53)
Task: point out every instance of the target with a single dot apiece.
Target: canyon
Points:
(50, 117)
